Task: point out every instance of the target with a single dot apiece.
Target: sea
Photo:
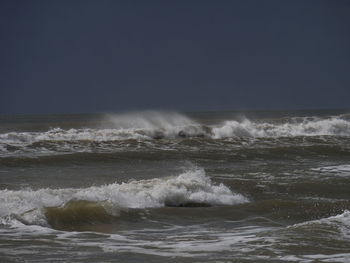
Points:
(164, 186)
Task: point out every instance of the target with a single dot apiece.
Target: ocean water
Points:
(173, 187)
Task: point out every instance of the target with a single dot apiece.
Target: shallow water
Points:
(171, 187)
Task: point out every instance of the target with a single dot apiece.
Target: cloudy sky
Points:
(101, 56)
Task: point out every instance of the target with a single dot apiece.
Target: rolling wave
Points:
(57, 207)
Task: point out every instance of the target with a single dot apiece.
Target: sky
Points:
(80, 56)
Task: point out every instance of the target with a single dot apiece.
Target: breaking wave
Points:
(294, 127)
(59, 207)
(170, 125)
(144, 125)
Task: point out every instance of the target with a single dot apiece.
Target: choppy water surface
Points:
(171, 187)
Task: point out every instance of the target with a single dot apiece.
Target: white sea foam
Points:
(187, 242)
(58, 134)
(190, 187)
(339, 258)
(339, 169)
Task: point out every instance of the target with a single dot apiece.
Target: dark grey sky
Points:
(96, 56)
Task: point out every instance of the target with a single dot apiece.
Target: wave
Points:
(338, 225)
(157, 125)
(57, 207)
(343, 218)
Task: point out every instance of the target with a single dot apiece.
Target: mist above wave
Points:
(149, 120)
